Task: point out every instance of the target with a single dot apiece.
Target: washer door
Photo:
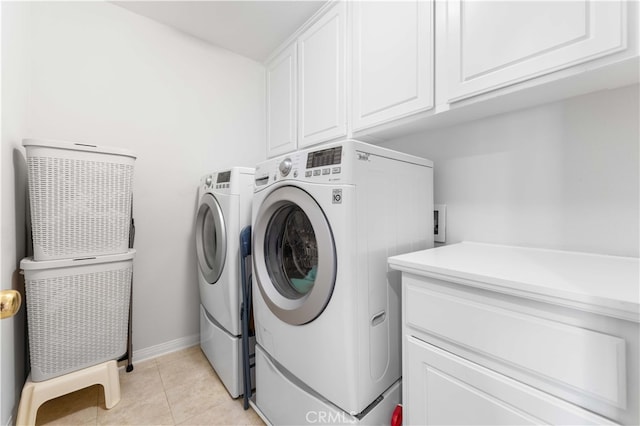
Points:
(294, 255)
(211, 238)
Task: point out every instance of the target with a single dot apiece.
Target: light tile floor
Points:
(180, 388)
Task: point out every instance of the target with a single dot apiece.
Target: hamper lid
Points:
(29, 264)
(77, 147)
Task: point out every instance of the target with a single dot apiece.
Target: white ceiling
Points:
(249, 28)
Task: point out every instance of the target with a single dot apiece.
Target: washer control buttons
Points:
(295, 173)
(308, 173)
(285, 166)
(335, 170)
(326, 171)
(317, 172)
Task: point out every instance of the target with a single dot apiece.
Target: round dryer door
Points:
(294, 255)
(211, 238)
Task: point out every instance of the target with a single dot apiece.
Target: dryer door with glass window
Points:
(294, 255)
(211, 238)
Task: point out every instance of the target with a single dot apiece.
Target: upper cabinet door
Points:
(281, 102)
(322, 72)
(392, 60)
(492, 44)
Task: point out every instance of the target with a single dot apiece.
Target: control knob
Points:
(285, 166)
(208, 181)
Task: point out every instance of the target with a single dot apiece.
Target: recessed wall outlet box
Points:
(439, 222)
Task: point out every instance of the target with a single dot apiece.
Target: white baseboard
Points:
(165, 348)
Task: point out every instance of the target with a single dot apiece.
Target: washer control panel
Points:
(324, 165)
(324, 162)
(325, 157)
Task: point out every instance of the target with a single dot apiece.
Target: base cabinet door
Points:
(493, 44)
(444, 389)
(392, 60)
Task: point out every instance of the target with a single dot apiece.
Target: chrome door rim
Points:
(304, 309)
(211, 272)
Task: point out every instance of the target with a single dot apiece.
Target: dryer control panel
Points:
(232, 181)
(223, 179)
(221, 182)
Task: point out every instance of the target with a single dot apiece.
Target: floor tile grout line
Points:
(166, 397)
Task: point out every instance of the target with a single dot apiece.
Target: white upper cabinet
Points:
(281, 102)
(492, 44)
(392, 60)
(380, 68)
(322, 74)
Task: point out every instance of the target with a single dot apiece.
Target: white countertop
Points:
(608, 285)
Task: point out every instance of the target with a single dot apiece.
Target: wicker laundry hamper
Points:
(80, 198)
(77, 312)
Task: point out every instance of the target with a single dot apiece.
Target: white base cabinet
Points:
(444, 389)
(506, 335)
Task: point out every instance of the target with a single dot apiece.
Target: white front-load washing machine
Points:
(224, 210)
(327, 309)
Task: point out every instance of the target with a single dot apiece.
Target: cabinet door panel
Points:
(516, 339)
(392, 60)
(321, 56)
(281, 102)
(492, 44)
(443, 388)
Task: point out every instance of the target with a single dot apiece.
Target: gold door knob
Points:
(10, 301)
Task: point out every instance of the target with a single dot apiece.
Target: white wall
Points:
(93, 72)
(563, 175)
(12, 202)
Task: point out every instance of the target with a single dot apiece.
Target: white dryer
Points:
(224, 210)
(327, 309)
